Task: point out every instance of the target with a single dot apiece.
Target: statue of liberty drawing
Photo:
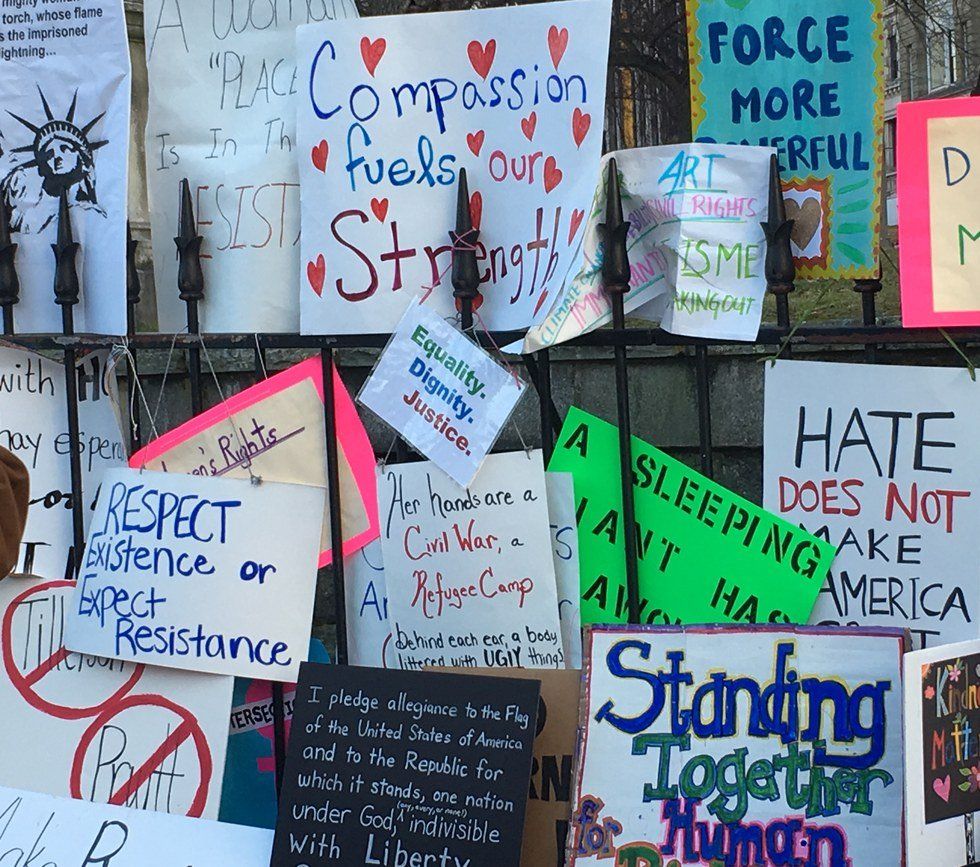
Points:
(59, 158)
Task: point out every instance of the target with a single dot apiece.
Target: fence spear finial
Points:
(466, 273)
(66, 285)
(780, 268)
(9, 282)
(190, 276)
(615, 255)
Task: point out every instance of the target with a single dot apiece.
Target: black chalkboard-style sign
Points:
(405, 769)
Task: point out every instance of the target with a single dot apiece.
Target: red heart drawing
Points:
(580, 126)
(319, 155)
(380, 208)
(372, 52)
(529, 124)
(316, 273)
(540, 304)
(552, 174)
(475, 141)
(481, 56)
(557, 43)
(941, 788)
(577, 215)
(476, 209)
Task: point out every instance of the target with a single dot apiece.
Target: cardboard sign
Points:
(248, 790)
(715, 745)
(275, 429)
(368, 633)
(941, 721)
(102, 729)
(65, 129)
(549, 800)
(470, 575)
(34, 426)
(515, 96)
(222, 113)
(405, 767)
(885, 471)
(808, 81)
(63, 832)
(939, 227)
(442, 393)
(204, 574)
(564, 547)
(705, 553)
(695, 242)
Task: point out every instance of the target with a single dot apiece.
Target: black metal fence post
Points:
(780, 267)
(465, 271)
(703, 382)
(133, 291)
(867, 289)
(190, 282)
(616, 282)
(66, 293)
(9, 284)
(333, 492)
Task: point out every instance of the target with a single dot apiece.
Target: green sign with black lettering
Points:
(706, 555)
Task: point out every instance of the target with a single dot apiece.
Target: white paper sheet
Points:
(223, 85)
(64, 88)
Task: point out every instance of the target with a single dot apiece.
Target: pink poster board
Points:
(352, 439)
(935, 197)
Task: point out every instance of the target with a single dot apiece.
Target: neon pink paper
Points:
(914, 226)
(351, 436)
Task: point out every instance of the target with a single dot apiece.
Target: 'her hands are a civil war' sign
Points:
(806, 79)
(393, 108)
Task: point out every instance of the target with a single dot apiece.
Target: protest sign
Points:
(470, 574)
(222, 113)
(248, 789)
(940, 223)
(747, 745)
(549, 799)
(64, 832)
(695, 241)
(368, 633)
(65, 130)
(808, 81)
(274, 430)
(442, 392)
(405, 767)
(705, 554)
(884, 470)
(98, 728)
(564, 546)
(34, 426)
(515, 96)
(205, 574)
(942, 717)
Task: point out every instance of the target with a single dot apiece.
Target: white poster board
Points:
(696, 245)
(64, 88)
(394, 107)
(222, 113)
(885, 469)
(101, 729)
(470, 575)
(739, 745)
(199, 573)
(34, 426)
(63, 832)
(564, 542)
(442, 392)
(368, 633)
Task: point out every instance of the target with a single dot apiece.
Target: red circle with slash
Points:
(26, 683)
(188, 727)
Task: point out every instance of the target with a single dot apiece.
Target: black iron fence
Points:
(782, 337)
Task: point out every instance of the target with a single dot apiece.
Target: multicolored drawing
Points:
(810, 84)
